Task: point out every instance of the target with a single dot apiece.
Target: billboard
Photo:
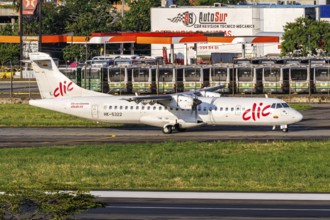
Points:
(203, 20)
(232, 20)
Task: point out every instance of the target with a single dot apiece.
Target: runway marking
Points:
(228, 209)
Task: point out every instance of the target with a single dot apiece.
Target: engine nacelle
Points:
(181, 101)
(210, 94)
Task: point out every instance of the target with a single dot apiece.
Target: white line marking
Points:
(212, 196)
(234, 209)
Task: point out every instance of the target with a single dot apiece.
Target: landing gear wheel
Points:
(167, 129)
(284, 128)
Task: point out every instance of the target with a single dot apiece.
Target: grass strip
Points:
(223, 166)
(23, 115)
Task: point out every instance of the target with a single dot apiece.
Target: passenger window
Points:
(148, 107)
(126, 107)
(199, 109)
(142, 107)
(137, 107)
(110, 107)
(131, 107)
(210, 109)
(204, 109)
(273, 105)
(232, 109)
(221, 109)
(116, 107)
(278, 105)
(160, 108)
(154, 107)
(226, 109)
(215, 108)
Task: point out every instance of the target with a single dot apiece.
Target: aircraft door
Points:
(95, 113)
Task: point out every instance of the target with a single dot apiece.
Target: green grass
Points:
(23, 115)
(301, 107)
(225, 166)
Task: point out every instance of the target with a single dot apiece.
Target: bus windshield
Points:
(192, 75)
(322, 74)
(165, 75)
(245, 74)
(95, 74)
(140, 75)
(272, 74)
(299, 74)
(116, 74)
(219, 74)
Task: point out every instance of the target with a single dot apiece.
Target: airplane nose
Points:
(298, 116)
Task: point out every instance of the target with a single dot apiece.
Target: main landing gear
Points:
(284, 128)
(168, 129)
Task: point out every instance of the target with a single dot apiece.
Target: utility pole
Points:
(40, 26)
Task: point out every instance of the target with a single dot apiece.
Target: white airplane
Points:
(173, 111)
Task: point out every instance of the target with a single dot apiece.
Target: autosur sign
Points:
(231, 22)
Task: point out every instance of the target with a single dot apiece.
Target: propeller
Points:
(196, 102)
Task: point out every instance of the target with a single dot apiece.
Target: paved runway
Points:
(208, 205)
(315, 126)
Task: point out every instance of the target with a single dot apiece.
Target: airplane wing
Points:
(184, 100)
(150, 99)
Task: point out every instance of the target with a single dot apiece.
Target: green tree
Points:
(138, 17)
(306, 36)
(86, 17)
(9, 53)
(74, 52)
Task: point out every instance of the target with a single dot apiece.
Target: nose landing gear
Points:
(168, 129)
(284, 128)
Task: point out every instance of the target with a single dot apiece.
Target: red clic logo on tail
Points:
(256, 112)
(63, 89)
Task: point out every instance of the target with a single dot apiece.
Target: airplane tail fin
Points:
(51, 82)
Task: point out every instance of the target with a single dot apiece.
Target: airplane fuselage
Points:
(212, 111)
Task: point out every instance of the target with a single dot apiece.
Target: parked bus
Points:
(72, 73)
(274, 81)
(94, 79)
(299, 78)
(193, 78)
(119, 80)
(248, 79)
(221, 76)
(143, 79)
(321, 78)
(166, 79)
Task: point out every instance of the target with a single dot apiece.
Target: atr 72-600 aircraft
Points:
(173, 111)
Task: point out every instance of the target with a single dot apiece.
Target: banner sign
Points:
(29, 6)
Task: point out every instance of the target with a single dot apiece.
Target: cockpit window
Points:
(279, 105)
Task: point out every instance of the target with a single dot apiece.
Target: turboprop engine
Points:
(210, 94)
(184, 102)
